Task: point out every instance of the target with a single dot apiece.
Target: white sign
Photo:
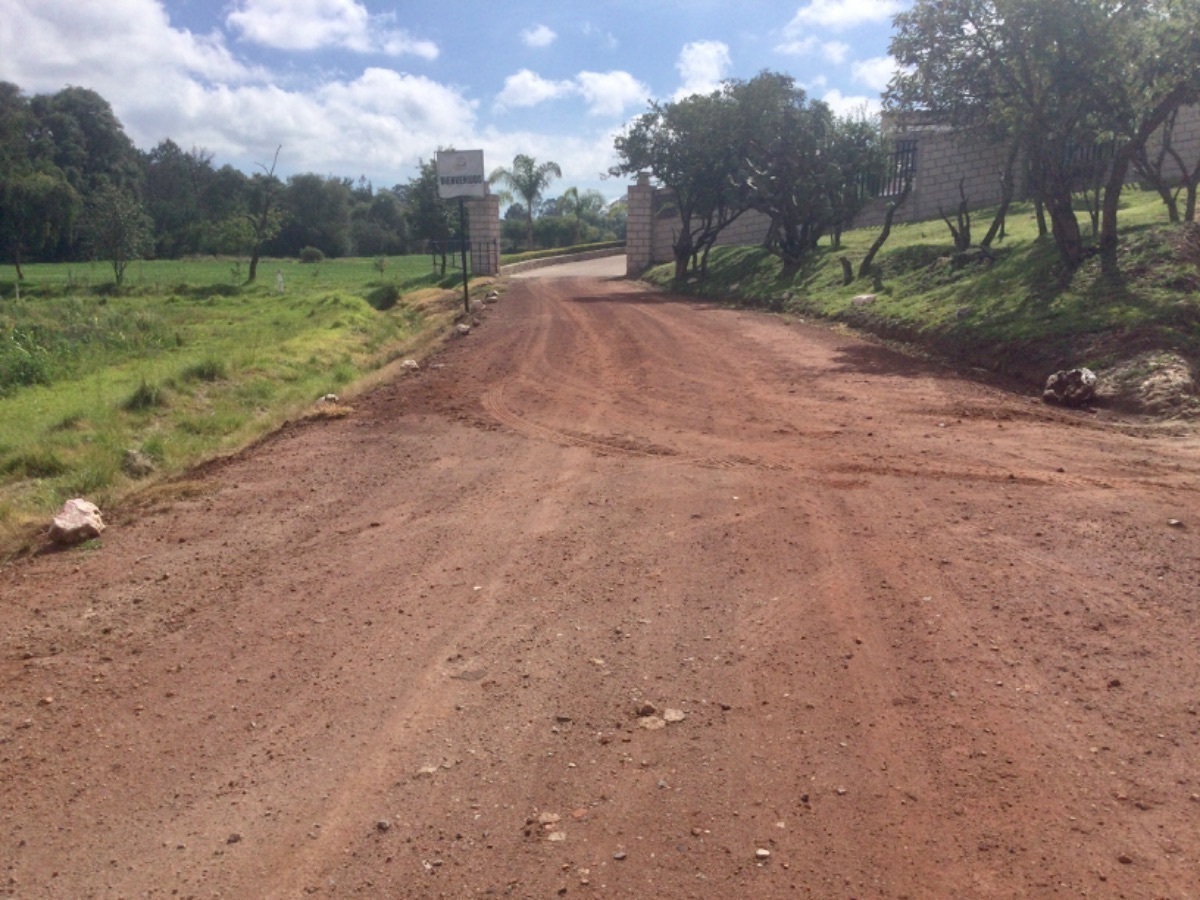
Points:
(460, 174)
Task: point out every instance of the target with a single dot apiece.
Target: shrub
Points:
(311, 255)
(145, 396)
(206, 370)
(34, 464)
(22, 363)
(384, 297)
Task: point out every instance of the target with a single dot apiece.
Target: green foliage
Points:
(527, 179)
(145, 396)
(1055, 79)
(311, 254)
(117, 227)
(181, 364)
(1017, 310)
(206, 370)
(23, 361)
(384, 297)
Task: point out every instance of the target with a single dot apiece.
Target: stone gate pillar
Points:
(484, 234)
(639, 231)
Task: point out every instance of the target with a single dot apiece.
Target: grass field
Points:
(184, 362)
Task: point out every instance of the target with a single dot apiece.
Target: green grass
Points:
(1020, 314)
(184, 362)
(507, 259)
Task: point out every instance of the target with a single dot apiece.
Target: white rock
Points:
(79, 520)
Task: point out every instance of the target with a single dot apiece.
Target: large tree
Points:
(788, 170)
(694, 147)
(528, 180)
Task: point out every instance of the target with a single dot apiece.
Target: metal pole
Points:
(462, 231)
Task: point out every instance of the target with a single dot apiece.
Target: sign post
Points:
(460, 174)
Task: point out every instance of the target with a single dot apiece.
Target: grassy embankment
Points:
(1017, 314)
(184, 363)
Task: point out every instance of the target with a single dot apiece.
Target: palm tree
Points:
(527, 180)
(577, 206)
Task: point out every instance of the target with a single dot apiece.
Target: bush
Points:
(206, 370)
(145, 396)
(22, 363)
(384, 297)
(311, 255)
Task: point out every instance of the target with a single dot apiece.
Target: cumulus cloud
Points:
(875, 72)
(853, 105)
(835, 51)
(204, 96)
(607, 93)
(611, 93)
(702, 65)
(527, 88)
(843, 14)
(538, 36)
(313, 24)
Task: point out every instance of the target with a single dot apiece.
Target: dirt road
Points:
(626, 596)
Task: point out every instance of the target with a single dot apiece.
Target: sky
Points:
(368, 88)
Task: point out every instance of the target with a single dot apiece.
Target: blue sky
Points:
(364, 87)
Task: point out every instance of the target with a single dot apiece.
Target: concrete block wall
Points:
(484, 228)
(943, 159)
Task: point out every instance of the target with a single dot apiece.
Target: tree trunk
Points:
(1065, 229)
(864, 268)
(17, 263)
(1116, 177)
(1007, 189)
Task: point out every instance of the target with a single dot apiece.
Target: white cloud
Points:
(852, 106)
(312, 24)
(702, 65)
(379, 122)
(610, 93)
(527, 88)
(835, 51)
(540, 36)
(798, 46)
(875, 72)
(607, 93)
(607, 39)
(843, 14)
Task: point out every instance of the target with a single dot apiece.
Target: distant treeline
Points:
(73, 186)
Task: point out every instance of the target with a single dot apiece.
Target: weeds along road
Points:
(626, 596)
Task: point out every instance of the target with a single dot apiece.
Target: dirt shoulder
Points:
(918, 637)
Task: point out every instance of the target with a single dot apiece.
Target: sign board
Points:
(460, 174)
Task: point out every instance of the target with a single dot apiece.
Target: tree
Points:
(526, 179)
(173, 183)
(694, 148)
(35, 211)
(428, 214)
(78, 131)
(317, 213)
(1055, 77)
(580, 207)
(858, 159)
(788, 172)
(117, 227)
(263, 218)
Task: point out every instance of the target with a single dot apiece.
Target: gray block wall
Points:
(944, 159)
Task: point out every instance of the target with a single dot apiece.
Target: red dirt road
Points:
(929, 639)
